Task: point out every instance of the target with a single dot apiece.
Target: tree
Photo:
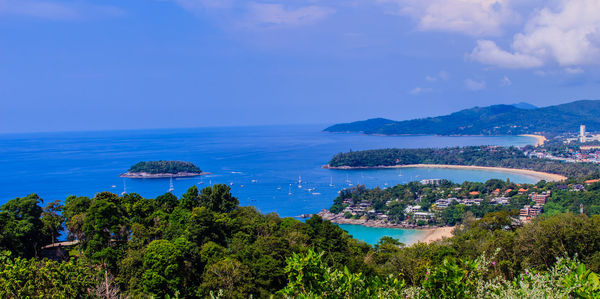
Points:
(163, 265)
(53, 221)
(218, 198)
(22, 228)
(190, 199)
(229, 275)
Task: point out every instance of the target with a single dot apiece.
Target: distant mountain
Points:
(523, 105)
(515, 119)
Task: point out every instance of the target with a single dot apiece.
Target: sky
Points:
(78, 65)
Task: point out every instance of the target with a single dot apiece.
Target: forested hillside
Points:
(487, 156)
(490, 120)
(205, 245)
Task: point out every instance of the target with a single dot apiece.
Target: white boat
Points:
(299, 182)
(316, 193)
(290, 191)
(124, 188)
(330, 181)
(171, 187)
(254, 181)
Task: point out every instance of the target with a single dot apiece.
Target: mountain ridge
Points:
(498, 119)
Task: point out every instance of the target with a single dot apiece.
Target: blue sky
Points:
(113, 64)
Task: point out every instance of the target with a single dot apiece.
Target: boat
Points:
(124, 188)
(171, 187)
(330, 181)
(290, 191)
(113, 186)
(316, 193)
(299, 182)
(254, 181)
(201, 182)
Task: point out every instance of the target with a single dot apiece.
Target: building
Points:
(540, 199)
(528, 212)
(412, 209)
(431, 181)
(582, 133)
(424, 216)
(500, 201)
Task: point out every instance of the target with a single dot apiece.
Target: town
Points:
(435, 202)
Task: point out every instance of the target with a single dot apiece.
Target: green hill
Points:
(490, 120)
(164, 167)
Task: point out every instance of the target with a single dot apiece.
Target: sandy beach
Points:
(438, 233)
(540, 139)
(550, 177)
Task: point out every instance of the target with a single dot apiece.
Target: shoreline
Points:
(145, 175)
(550, 177)
(539, 138)
(430, 234)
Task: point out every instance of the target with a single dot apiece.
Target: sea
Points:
(277, 169)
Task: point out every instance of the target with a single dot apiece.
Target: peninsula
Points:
(162, 169)
(489, 157)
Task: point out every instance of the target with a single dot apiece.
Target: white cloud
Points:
(505, 81)
(573, 70)
(253, 14)
(473, 85)
(54, 10)
(568, 35)
(419, 90)
(487, 52)
(268, 14)
(442, 75)
(471, 17)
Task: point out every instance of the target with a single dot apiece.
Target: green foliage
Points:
(32, 278)
(172, 167)
(310, 277)
(22, 229)
(163, 263)
(452, 279)
(135, 247)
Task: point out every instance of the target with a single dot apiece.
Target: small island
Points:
(162, 169)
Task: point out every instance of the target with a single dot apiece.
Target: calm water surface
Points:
(262, 165)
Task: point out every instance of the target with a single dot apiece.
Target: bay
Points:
(263, 165)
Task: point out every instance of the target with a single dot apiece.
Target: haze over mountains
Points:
(521, 118)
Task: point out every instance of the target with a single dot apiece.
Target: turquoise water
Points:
(262, 164)
(371, 235)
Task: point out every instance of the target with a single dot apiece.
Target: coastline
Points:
(145, 175)
(540, 139)
(437, 233)
(550, 177)
(430, 234)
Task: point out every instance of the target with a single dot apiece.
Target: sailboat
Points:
(331, 181)
(299, 182)
(171, 188)
(124, 188)
(290, 190)
(201, 182)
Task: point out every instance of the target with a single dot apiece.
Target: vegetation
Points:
(491, 156)
(172, 167)
(204, 244)
(491, 120)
